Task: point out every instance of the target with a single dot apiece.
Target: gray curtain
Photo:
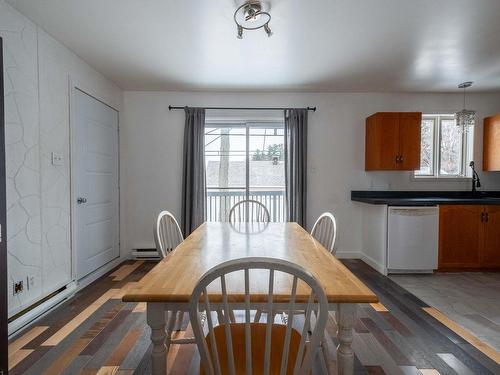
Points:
(193, 172)
(296, 164)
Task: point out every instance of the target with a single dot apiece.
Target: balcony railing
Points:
(220, 201)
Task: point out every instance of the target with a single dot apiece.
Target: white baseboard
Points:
(374, 264)
(365, 258)
(343, 254)
(43, 309)
(90, 278)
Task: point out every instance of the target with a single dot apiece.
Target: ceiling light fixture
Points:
(465, 118)
(251, 15)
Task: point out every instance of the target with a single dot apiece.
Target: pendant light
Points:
(466, 118)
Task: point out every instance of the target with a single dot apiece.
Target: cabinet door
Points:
(382, 141)
(460, 236)
(409, 140)
(491, 143)
(491, 251)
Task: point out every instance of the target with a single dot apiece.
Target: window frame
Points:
(467, 148)
(434, 142)
(247, 125)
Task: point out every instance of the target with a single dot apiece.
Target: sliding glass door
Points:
(225, 159)
(266, 168)
(244, 160)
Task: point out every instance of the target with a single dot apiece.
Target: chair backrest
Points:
(228, 347)
(249, 210)
(325, 231)
(167, 233)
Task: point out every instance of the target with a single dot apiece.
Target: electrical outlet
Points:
(57, 159)
(18, 287)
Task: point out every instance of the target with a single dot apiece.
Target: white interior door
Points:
(95, 153)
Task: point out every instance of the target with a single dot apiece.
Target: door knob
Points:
(81, 200)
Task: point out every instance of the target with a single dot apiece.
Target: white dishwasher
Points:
(412, 239)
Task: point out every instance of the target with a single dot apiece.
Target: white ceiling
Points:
(318, 45)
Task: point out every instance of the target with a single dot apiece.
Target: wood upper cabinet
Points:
(382, 141)
(459, 236)
(410, 125)
(469, 237)
(491, 144)
(392, 141)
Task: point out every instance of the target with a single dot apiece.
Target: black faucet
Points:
(476, 182)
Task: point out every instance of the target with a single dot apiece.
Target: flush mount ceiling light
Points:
(252, 16)
(465, 118)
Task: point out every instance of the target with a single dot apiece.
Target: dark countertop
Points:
(424, 198)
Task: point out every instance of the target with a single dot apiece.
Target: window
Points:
(244, 160)
(445, 150)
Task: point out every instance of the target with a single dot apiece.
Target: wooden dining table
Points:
(169, 285)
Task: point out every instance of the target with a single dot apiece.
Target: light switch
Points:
(57, 159)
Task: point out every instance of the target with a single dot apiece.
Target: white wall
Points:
(374, 235)
(152, 152)
(37, 69)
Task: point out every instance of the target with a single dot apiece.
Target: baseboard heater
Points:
(41, 308)
(145, 254)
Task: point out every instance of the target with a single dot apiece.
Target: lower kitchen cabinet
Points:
(460, 229)
(491, 252)
(469, 237)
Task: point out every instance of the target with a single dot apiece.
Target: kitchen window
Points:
(445, 150)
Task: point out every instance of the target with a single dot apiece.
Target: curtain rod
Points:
(171, 107)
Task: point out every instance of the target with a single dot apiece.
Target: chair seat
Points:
(258, 334)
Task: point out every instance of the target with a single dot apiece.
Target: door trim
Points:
(4, 360)
(75, 86)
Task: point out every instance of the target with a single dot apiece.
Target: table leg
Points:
(346, 315)
(171, 322)
(156, 320)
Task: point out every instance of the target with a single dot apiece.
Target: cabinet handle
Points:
(487, 216)
(400, 158)
(482, 217)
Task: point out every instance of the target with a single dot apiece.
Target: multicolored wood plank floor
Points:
(96, 333)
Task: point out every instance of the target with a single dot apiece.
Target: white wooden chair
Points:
(167, 233)
(325, 231)
(237, 348)
(168, 236)
(249, 210)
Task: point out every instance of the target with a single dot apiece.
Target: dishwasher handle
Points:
(411, 211)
